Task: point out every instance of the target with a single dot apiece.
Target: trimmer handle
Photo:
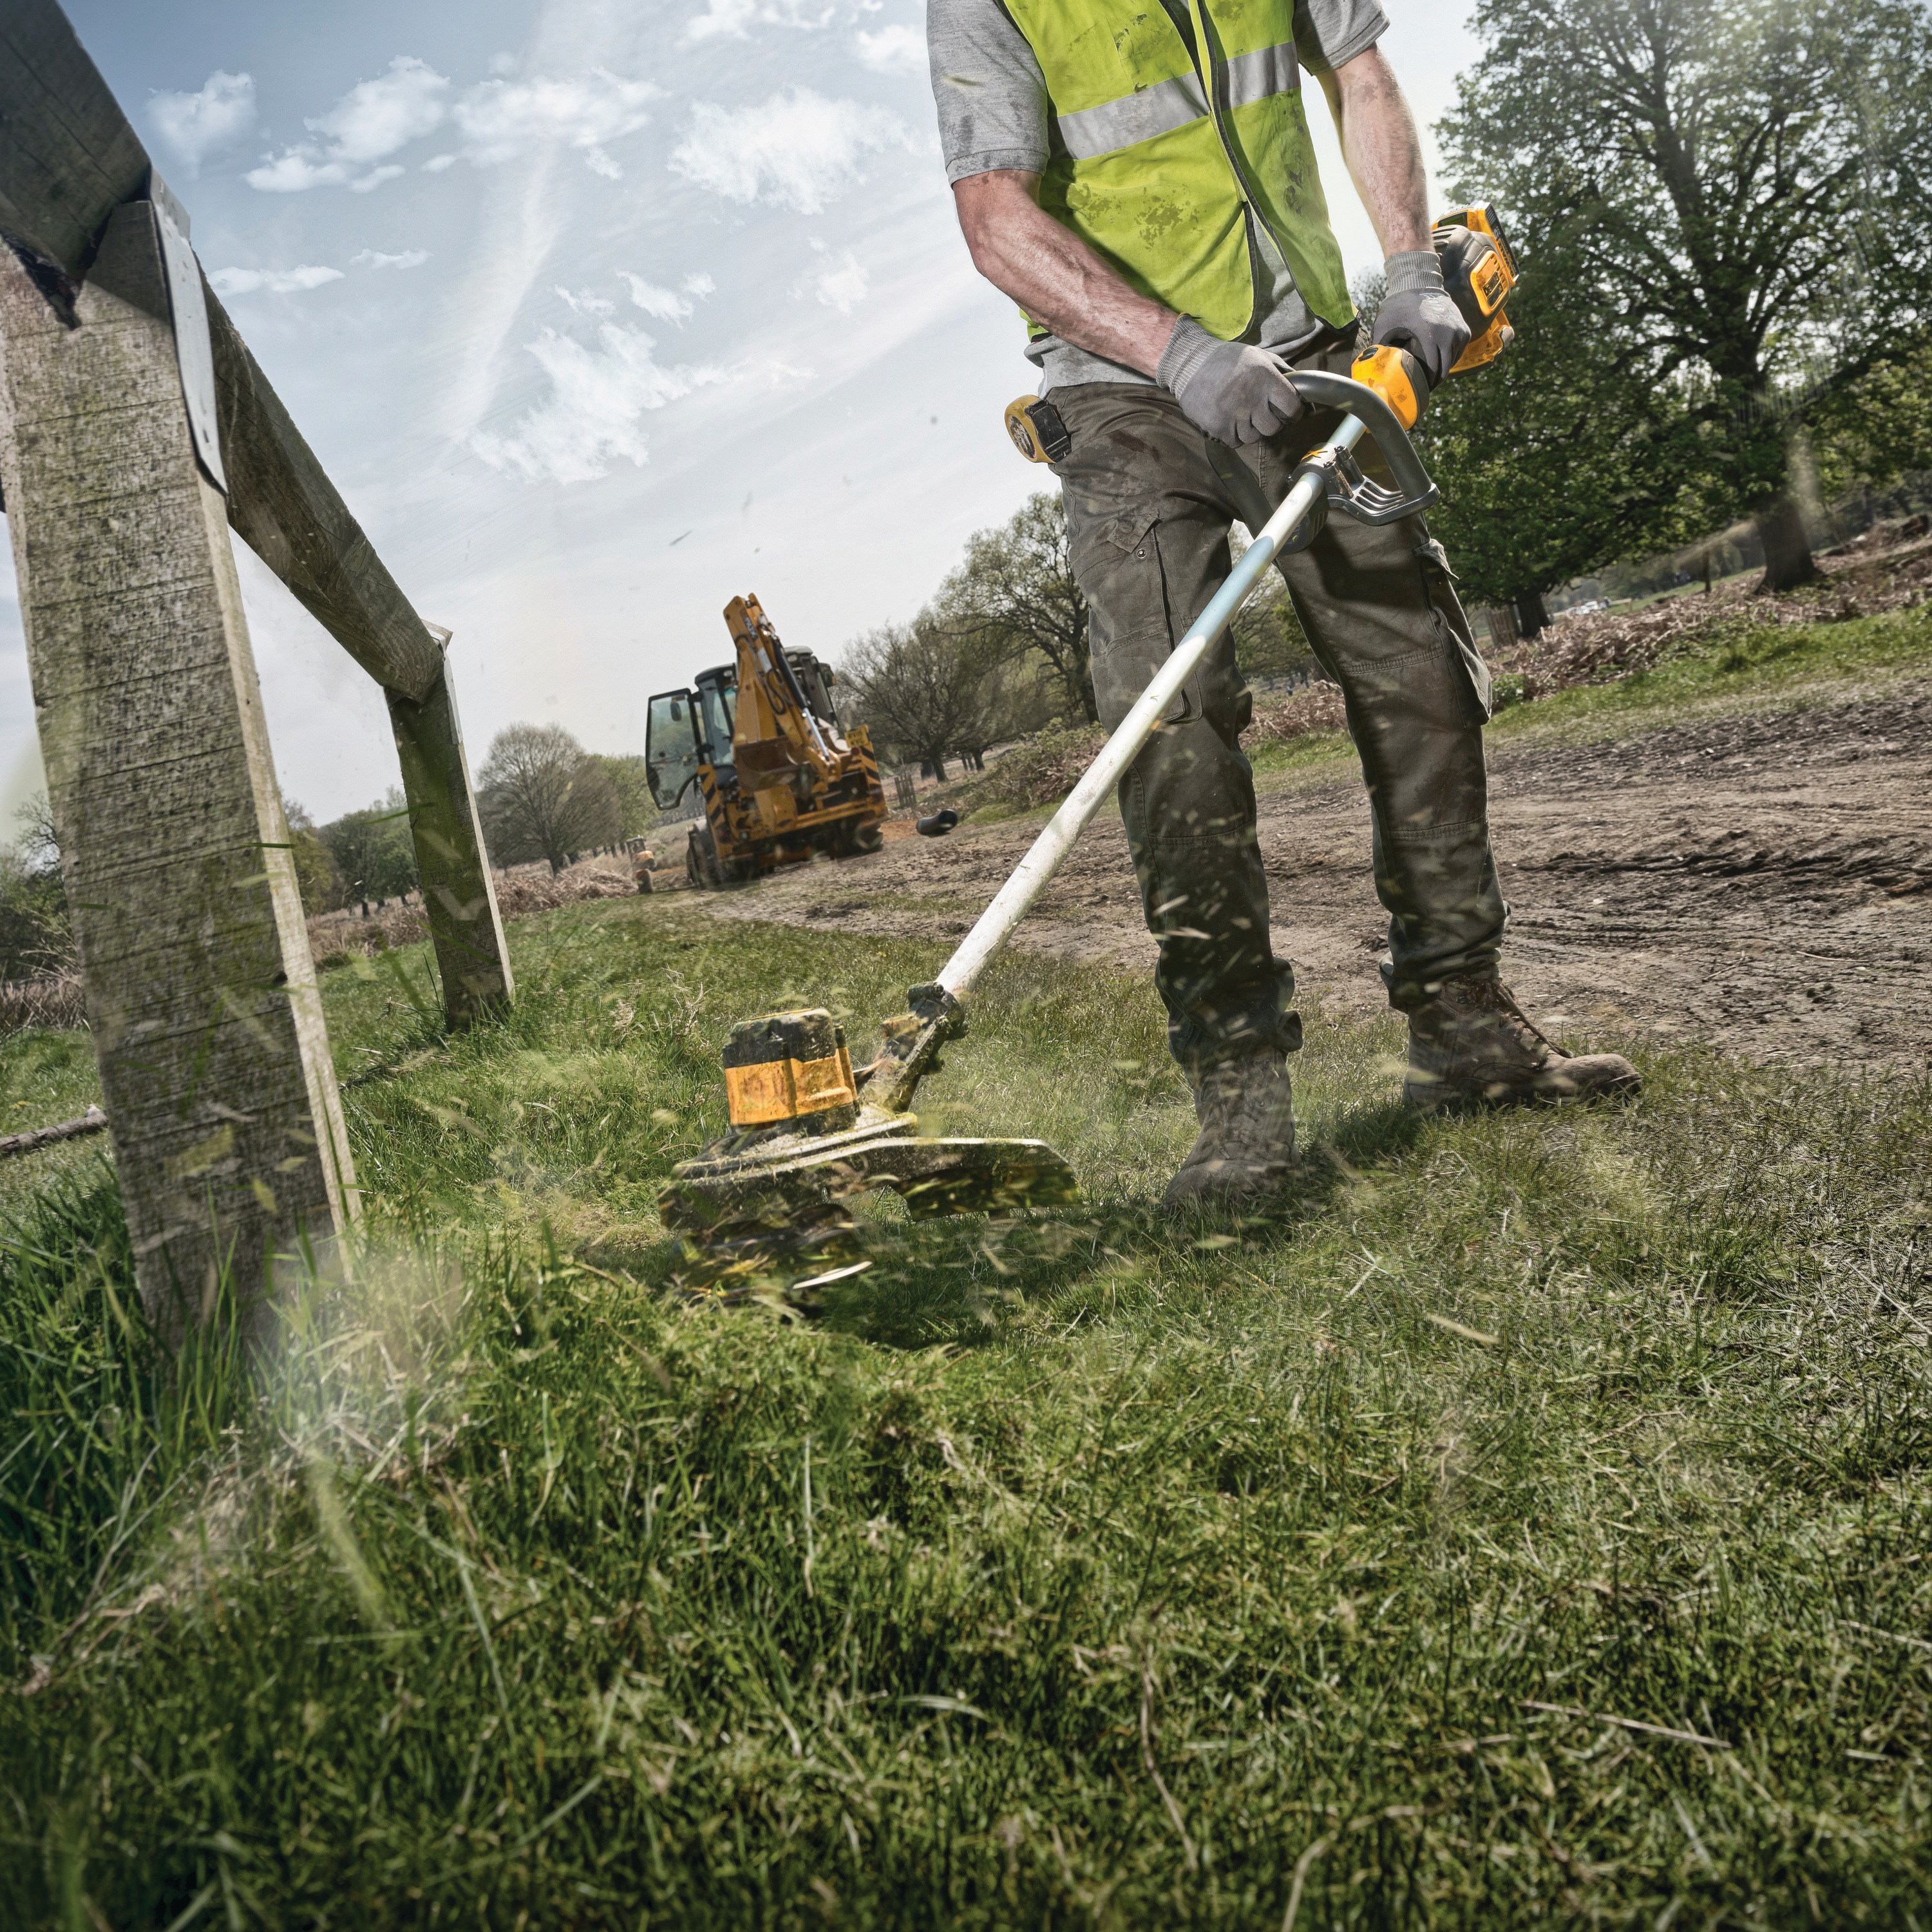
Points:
(1399, 378)
(1348, 490)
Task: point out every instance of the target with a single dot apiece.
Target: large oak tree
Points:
(1725, 207)
(1016, 593)
(543, 796)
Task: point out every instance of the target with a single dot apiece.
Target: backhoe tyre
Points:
(850, 841)
(700, 861)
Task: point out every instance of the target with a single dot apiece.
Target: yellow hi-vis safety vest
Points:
(1161, 174)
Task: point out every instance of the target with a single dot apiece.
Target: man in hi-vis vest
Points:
(1137, 175)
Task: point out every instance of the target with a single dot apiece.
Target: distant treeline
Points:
(1001, 652)
(543, 797)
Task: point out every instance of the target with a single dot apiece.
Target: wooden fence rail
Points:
(135, 429)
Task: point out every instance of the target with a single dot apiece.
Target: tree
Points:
(1877, 430)
(543, 796)
(1269, 640)
(374, 856)
(36, 933)
(921, 690)
(1734, 195)
(317, 877)
(1016, 592)
(636, 810)
(1555, 459)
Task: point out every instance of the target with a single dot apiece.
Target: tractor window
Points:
(670, 747)
(814, 680)
(719, 699)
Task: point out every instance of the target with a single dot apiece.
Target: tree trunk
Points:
(1532, 615)
(1787, 550)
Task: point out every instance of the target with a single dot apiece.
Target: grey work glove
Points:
(1419, 314)
(1236, 392)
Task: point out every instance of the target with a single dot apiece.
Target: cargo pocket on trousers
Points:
(1118, 567)
(1453, 624)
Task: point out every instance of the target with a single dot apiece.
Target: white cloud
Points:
(410, 258)
(585, 303)
(842, 284)
(700, 284)
(664, 304)
(735, 18)
(796, 151)
(895, 49)
(498, 120)
(376, 117)
(271, 281)
(591, 417)
(370, 122)
(502, 119)
(194, 125)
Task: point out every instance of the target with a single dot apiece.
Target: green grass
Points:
(1090, 1569)
(45, 1078)
(1085, 1570)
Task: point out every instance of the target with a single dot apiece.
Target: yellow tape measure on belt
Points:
(1037, 431)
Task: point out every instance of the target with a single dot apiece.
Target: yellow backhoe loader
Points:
(760, 743)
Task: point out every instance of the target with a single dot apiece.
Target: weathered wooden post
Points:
(459, 890)
(215, 1063)
(134, 426)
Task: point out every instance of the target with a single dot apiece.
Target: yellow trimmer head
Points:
(776, 1190)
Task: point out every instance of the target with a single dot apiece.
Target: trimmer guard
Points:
(789, 1196)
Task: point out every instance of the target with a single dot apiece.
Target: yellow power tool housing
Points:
(1479, 272)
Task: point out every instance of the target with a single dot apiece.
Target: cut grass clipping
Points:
(1528, 1525)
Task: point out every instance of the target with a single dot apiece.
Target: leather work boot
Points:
(1245, 1148)
(1472, 1043)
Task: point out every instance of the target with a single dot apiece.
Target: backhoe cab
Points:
(759, 741)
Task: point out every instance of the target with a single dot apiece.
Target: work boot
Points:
(1473, 1042)
(1245, 1148)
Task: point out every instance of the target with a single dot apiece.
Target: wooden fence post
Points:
(459, 894)
(214, 1062)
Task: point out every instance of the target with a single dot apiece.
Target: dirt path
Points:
(1762, 881)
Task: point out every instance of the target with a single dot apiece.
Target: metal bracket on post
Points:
(193, 350)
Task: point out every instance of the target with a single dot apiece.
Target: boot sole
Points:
(1228, 1193)
(1434, 1099)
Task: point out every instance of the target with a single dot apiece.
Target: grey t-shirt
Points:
(994, 113)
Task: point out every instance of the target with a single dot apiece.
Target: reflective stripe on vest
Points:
(1162, 180)
(1170, 105)
(1162, 109)
(1254, 76)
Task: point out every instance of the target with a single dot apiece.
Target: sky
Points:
(598, 315)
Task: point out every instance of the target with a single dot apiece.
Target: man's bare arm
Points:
(1053, 275)
(1379, 143)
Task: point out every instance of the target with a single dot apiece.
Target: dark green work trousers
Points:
(1149, 499)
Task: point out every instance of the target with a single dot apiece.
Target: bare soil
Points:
(1762, 882)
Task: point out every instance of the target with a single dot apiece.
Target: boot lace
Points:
(1492, 996)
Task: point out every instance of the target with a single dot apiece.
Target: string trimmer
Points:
(808, 1131)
